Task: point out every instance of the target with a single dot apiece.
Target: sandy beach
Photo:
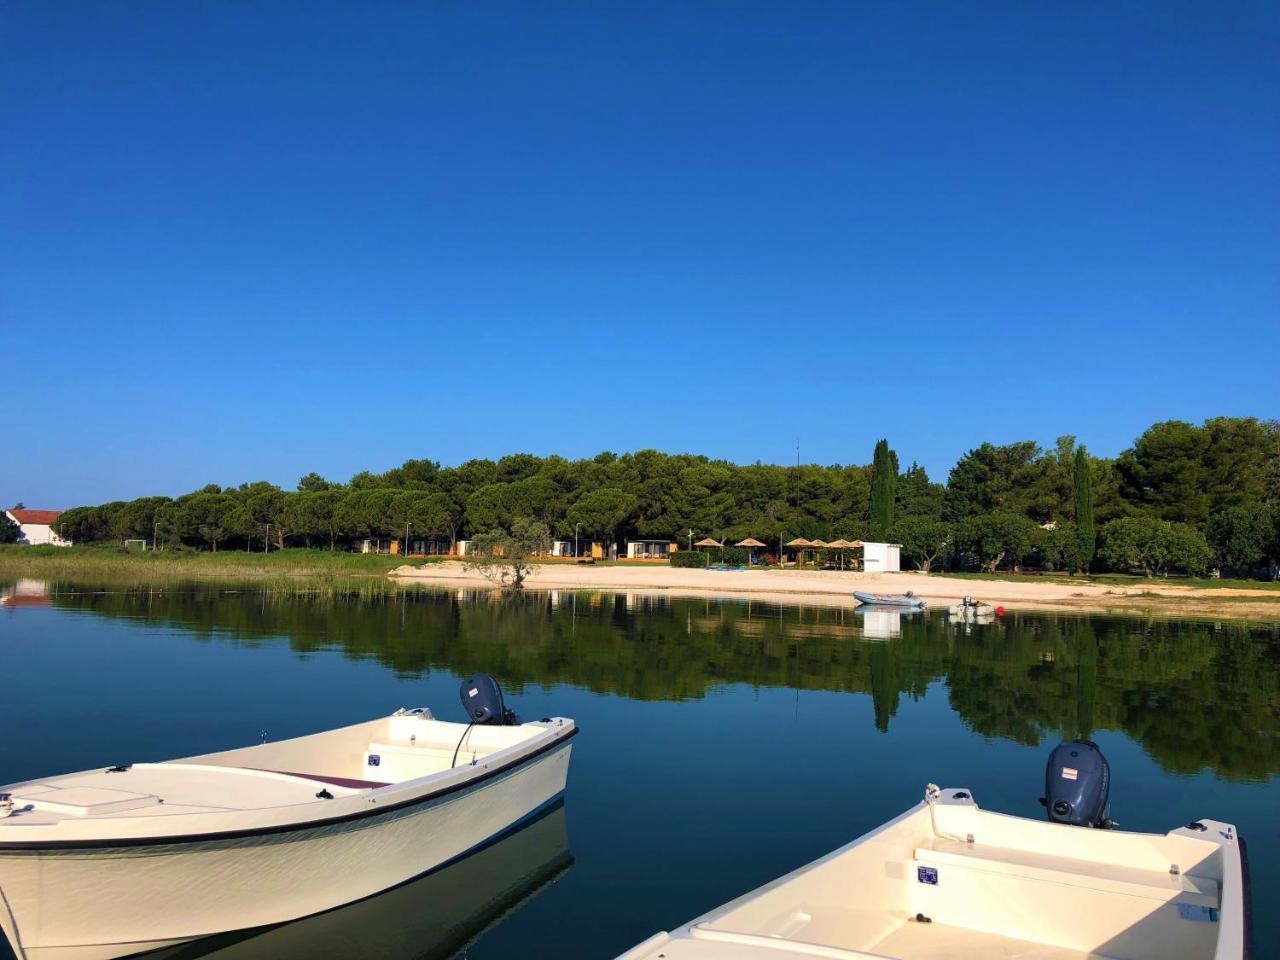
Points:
(836, 588)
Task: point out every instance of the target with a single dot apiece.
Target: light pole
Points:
(691, 539)
(405, 551)
(575, 540)
(266, 541)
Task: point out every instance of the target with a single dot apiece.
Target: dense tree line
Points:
(1184, 498)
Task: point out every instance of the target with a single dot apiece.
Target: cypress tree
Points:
(1085, 528)
(884, 488)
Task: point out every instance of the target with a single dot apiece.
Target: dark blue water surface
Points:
(723, 742)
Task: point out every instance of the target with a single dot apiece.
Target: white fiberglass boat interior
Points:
(306, 770)
(949, 880)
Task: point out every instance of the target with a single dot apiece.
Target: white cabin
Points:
(881, 557)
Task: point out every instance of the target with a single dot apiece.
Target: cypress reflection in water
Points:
(1194, 695)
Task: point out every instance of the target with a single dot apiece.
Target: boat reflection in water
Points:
(882, 623)
(431, 918)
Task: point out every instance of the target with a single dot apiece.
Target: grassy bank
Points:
(1121, 580)
(107, 565)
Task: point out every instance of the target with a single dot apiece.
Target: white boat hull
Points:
(61, 904)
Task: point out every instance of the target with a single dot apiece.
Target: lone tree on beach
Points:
(505, 557)
(1085, 529)
(884, 488)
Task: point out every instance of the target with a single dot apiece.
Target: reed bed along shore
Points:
(99, 565)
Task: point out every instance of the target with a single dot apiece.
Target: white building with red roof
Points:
(36, 526)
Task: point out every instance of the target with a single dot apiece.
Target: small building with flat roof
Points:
(584, 548)
(651, 549)
(881, 557)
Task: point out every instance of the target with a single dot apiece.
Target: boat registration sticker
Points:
(1194, 911)
(927, 875)
(1070, 773)
(472, 692)
(374, 760)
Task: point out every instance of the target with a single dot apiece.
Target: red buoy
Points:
(999, 611)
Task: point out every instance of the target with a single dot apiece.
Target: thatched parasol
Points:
(708, 542)
(750, 543)
(842, 544)
(800, 544)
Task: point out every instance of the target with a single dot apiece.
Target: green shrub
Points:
(732, 556)
(689, 558)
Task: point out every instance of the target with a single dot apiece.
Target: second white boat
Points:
(947, 880)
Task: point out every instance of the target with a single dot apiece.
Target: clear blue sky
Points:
(245, 241)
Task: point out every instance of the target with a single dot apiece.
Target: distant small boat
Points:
(980, 611)
(947, 879)
(973, 611)
(890, 600)
(111, 862)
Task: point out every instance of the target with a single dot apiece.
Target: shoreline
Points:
(835, 588)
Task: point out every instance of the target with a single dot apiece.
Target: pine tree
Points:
(884, 488)
(1084, 510)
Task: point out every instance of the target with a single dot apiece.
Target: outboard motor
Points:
(482, 699)
(1077, 785)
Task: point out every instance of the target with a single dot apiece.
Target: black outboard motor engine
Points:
(1077, 785)
(482, 699)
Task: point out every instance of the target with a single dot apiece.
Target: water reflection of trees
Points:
(1194, 694)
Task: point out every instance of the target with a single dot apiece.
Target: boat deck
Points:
(911, 941)
(939, 941)
(165, 789)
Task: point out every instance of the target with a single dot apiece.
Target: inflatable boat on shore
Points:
(905, 600)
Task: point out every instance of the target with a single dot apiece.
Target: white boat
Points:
(947, 879)
(115, 861)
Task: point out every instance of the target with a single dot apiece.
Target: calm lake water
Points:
(723, 742)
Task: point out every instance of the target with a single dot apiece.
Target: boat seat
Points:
(1111, 878)
(399, 762)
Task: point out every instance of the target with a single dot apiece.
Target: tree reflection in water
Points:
(1193, 694)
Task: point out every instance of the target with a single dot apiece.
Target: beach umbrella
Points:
(750, 543)
(798, 544)
(842, 544)
(801, 544)
(708, 542)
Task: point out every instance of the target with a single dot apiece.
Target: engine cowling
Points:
(1077, 785)
(482, 699)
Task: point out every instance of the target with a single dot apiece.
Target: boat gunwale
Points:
(559, 739)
